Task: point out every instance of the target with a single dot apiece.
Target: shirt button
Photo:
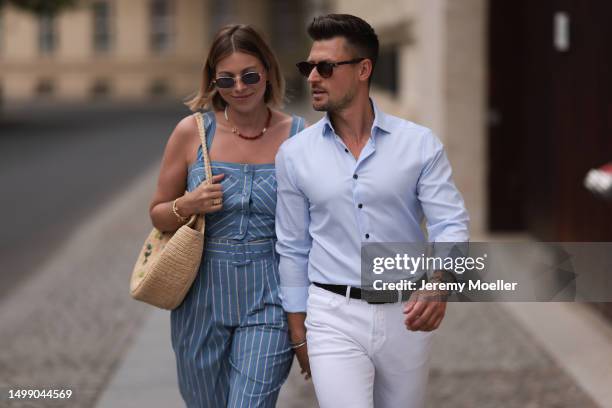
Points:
(367, 236)
(359, 205)
(346, 150)
(355, 176)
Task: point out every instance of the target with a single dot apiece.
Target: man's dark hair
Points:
(358, 33)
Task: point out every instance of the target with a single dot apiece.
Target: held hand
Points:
(297, 332)
(206, 198)
(302, 356)
(425, 310)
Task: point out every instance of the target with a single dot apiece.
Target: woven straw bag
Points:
(168, 261)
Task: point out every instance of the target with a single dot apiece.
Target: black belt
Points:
(370, 296)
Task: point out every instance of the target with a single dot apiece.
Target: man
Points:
(358, 176)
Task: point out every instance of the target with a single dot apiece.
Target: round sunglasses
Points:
(248, 78)
(324, 68)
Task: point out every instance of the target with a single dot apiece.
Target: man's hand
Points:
(425, 310)
(297, 332)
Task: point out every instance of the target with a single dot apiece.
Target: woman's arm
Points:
(173, 179)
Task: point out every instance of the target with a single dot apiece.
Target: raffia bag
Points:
(168, 261)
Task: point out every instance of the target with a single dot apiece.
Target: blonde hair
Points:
(230, 39)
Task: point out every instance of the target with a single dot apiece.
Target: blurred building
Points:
(519, 91)
(103, 49)
(129, 49)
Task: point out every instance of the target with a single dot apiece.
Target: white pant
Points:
(362, 355)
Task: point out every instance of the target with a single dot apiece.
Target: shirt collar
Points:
(380, 121)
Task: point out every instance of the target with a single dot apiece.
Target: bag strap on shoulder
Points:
(205, 158)
(200, 220)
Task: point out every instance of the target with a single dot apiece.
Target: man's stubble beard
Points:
(333, 107)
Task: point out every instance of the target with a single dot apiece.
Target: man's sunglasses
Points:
(324, 68)
(249, 78)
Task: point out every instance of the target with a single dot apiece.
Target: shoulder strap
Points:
(204, 142)
(210, 126)
(297, 125)
(301, 125)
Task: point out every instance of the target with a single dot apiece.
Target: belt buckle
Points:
(373, 297)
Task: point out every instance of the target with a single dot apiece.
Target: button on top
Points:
(367, 236)
(359, 205)
(355, 176)
(346, 150)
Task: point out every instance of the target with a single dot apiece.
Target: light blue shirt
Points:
(329, 203)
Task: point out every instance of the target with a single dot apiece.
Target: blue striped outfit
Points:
(230, 335)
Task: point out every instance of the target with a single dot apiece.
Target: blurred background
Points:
(520, 93)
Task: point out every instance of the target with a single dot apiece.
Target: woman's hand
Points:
(302, 356)
(297, 335)
(206, 198)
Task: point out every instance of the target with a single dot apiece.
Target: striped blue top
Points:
(249, 192)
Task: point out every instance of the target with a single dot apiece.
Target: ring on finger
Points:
(217, 201)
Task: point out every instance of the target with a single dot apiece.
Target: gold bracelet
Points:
(298, 345)
(180, 218)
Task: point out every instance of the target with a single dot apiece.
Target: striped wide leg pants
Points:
(230, 335)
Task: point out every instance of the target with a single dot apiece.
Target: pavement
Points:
(146, 377)
(69, 324)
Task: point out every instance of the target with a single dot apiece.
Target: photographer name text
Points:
(498, 285)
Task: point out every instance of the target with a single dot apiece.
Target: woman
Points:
(230, 334)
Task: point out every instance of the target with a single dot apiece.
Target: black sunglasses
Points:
(324, 68)
(249, 78)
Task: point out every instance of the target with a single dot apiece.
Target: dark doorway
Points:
(550, 116)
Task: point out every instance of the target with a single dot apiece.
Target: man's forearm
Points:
(297, 328)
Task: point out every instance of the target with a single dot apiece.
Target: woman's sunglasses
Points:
(249, 78)
(324, 68)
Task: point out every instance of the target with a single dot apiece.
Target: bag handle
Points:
(199, 219)
(202, 130)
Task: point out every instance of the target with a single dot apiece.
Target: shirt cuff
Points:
(294, 298)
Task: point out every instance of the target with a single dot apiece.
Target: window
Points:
(287, 27)
(159, 88)
(45, 87)
(101, 26)
(101, 89)
(47, 39)
(161, 25)
(386, 72)
(289, 39)
(220, 15)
